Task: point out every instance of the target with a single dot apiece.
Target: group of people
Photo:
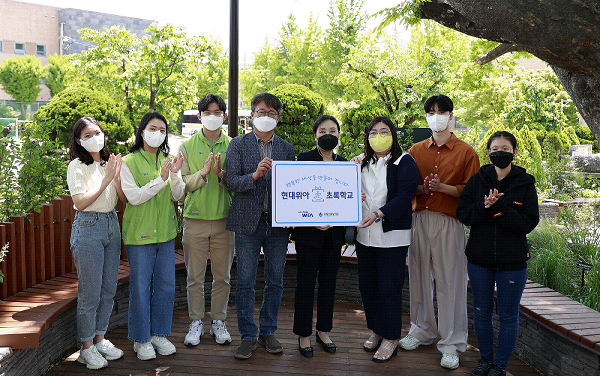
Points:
(414, 203)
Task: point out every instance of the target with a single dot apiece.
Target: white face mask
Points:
(438, 123)
(93, 144)
(211, 122)
(154, 139)
(265, 123)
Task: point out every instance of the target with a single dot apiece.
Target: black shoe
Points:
(328, 347)
(270, 343)
(482, 369)
(496, 371)
(306, 351)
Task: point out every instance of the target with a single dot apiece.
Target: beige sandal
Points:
(372, 344)
(386, 351)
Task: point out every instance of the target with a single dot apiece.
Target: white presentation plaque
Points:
(307, 193)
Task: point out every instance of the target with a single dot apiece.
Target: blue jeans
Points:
(151, 290)
(509, 286)
(96, 248)
(247, 254)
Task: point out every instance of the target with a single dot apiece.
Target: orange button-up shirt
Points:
(454, 162)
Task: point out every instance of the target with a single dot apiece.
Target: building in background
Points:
(41, 30)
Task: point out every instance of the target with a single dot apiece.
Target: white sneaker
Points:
(92, 358)
(108, 350)
(219, 331)
(449, 361)
(163, 345)
(144, 350)
(193, 336)
(410, 343)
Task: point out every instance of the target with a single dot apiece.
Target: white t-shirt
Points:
(374, 185)
(82, 178)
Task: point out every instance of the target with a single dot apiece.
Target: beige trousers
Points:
(199, 238)
(437, 251)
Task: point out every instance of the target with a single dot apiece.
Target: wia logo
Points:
(306, 214)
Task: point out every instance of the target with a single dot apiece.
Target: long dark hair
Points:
(396, 150)
(78, 151)
(138, 143)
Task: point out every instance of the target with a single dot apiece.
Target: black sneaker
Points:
(244, 350)
(482, 369)
(270, 343)
(496, 371)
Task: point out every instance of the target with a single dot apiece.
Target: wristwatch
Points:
(377, 217)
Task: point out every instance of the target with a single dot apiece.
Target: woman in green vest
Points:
(151, 181)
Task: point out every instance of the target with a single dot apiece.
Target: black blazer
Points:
(311, 236)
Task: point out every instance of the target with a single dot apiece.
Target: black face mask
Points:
(501, 159)
(327, 142)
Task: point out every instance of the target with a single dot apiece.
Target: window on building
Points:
(40, 50)
(19, 48)
(0, 46)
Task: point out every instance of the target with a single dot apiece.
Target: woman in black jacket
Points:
(500, 204)
(318, 251)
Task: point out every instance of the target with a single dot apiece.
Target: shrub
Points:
(301, 107)
(61, 113)
(353, 126)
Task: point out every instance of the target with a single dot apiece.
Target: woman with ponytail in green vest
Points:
(151, 181)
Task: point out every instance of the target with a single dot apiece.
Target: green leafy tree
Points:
(156, 72)
(60, 114)
(301, 107)
(213, 74)
(294, 59)
(21, 77)
(347, 21)
(353, 126)
(57, 73)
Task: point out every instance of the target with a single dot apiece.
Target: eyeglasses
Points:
(383, 132)
(215, 113)
(504, 148)
(272, 114)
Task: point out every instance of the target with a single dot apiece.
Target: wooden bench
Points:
(25, 315)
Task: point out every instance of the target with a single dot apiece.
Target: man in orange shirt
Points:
(445, 165)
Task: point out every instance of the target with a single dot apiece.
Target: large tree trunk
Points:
(564, 33)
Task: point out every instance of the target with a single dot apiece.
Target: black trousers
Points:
(325, 263)
(380, 280)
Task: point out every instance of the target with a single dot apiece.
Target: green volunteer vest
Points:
(153, 221)
(212, 200)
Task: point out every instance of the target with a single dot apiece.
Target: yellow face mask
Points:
(380, 143)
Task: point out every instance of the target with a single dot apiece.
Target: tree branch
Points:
(500, 50)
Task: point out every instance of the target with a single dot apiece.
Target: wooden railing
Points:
(39, 247)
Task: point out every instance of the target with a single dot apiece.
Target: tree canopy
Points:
(21, 77)
(563, 33)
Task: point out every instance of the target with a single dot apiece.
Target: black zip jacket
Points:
(497, 240)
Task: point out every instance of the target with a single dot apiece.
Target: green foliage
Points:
(406, 12)
(558, 245)
(57, 71)
(353, 126)
(213, 75)
(555, 144)
(21, 77)
(301, 107)
(156, 72)
(3, 253)
(6, 111)
(40, 178)
(570, 133)
(61, 113)
(585, 136)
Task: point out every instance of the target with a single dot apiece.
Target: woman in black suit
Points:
(318, 251)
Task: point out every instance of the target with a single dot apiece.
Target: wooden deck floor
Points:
(349, 332)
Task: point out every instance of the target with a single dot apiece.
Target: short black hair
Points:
(211, 98)
(444, 103)
(323, 118)
(78, 151)
(270, 99)
(502, 134)
(138, 143)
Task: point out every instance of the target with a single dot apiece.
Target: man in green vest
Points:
(204, 218)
